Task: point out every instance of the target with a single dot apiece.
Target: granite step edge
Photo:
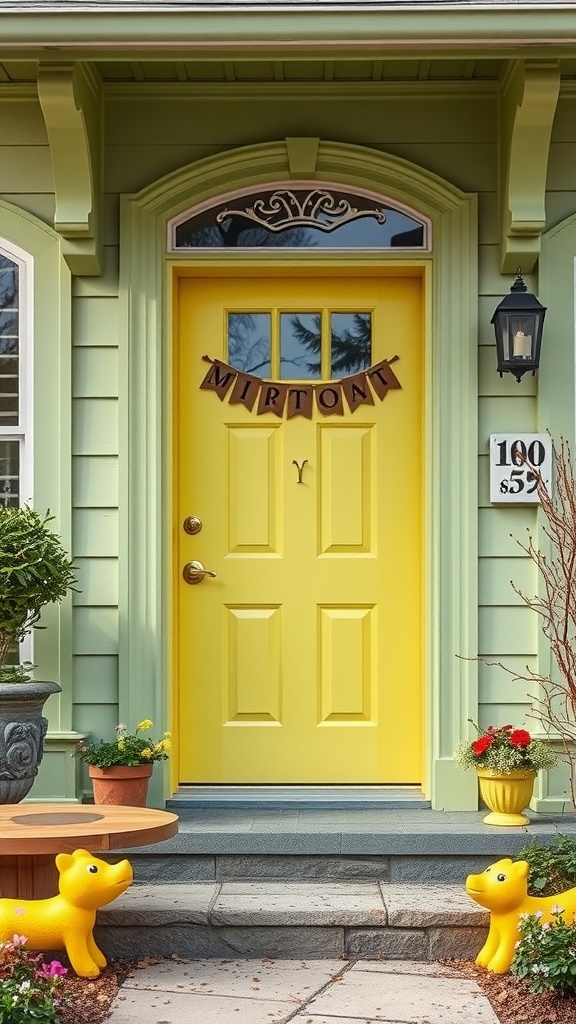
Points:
(278, 903)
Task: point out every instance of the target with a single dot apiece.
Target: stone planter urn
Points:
(22, 731)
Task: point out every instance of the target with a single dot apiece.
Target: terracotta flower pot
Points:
(506, 795)
(121, 785)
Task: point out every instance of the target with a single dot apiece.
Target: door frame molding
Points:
(450, 446)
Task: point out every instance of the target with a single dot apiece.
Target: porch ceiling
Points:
(342, 71)
(277, 71)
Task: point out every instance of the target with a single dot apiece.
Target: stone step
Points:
(293, 919)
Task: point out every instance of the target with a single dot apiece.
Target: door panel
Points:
(301, 661)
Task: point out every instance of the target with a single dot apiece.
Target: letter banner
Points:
(298, 399)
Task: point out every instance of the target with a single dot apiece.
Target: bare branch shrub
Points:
(555, 703)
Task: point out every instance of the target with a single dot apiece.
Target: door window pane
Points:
(351, 343)
(300, 346)
(250, 342)
(9, 472)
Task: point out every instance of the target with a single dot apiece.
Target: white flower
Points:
(540, 913)
(555, 909)
(24, 987)
(546, 926)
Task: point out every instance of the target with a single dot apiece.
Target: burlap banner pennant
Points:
(357, 391)
(245, 391)
(298, 399)
(382, 378)
(300, 402)
(220, 378)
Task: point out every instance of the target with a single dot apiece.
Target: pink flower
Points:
(52, 970)
(18, 940)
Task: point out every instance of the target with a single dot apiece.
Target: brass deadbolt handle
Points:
(194, 572)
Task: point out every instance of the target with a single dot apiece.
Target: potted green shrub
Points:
(34, 571)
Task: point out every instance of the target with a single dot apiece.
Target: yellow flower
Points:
(167, 735)
(162, 746)
(146, 753)
(121, 744)
(145, 724)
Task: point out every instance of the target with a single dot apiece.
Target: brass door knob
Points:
(194, 572)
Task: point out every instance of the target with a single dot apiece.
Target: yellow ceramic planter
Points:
(506, 795)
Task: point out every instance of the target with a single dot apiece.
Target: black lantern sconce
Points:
(518, 322)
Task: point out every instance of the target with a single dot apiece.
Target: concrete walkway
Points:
(271, 991)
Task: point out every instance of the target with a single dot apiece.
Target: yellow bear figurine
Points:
(501, 888)
(66, 921)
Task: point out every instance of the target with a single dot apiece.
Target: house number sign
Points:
(297, 399)
(517, 463)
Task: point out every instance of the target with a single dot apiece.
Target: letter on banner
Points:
(219, 378)
(272, 398)
(245, 391)
(329, 399)
(383, 379)
(357, 391)
(300, 402)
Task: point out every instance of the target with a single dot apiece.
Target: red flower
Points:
(520, 738)
(480, 745)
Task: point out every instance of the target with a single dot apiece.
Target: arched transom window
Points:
(303, 216)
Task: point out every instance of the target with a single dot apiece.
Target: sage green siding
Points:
(150, 131)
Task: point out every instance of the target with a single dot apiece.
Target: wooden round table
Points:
(32, 834)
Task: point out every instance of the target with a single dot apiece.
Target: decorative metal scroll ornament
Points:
(284, 209)
(297, 399)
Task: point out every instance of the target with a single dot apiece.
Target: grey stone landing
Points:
(285, 919)
(385, 844)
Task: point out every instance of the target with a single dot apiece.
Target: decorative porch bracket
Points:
(70, 98)
(528, 96)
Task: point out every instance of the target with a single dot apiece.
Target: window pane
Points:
(301, 218)
(300, 346)
(249, 342)
(351, 336)
(9, 328)
(9, 472)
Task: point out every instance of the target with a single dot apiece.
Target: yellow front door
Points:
(300, 662)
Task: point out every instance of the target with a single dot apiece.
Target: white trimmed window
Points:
(15, 386)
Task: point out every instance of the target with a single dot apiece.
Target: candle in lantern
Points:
(522, 345)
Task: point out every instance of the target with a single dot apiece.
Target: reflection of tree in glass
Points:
(239, 232)
(351, 347)
(248, 350)
(8, 306)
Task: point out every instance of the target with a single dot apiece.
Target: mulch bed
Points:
(513, 1003)
(89, 1001)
